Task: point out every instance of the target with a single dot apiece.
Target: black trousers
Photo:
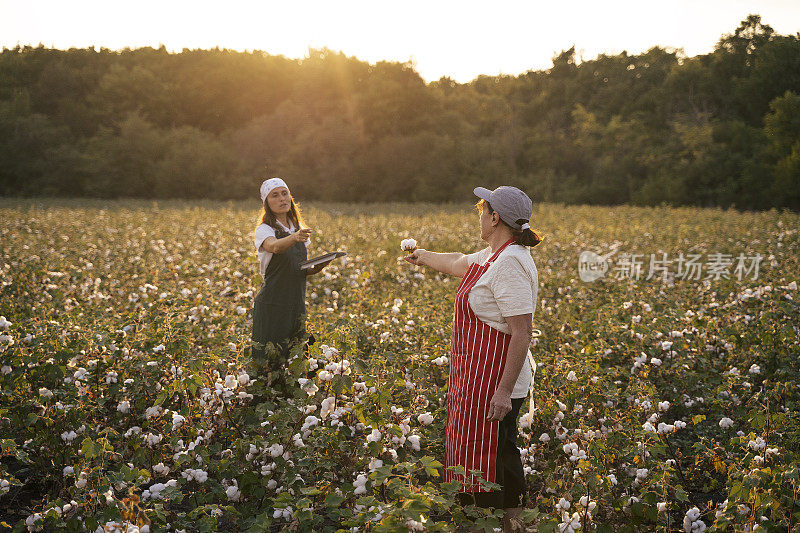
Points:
(508, 468)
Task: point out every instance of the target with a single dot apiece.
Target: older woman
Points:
(490, 370)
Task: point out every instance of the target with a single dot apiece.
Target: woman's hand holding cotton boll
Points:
(408, 245)
(414, 254)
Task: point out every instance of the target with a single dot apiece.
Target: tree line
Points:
(720, 129)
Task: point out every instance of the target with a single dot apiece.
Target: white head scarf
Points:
(270, 184)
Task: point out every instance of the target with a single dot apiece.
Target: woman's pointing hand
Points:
(302, 235)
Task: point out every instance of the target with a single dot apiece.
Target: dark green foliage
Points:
(720, 129)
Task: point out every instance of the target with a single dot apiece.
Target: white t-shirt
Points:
(262, 232)
(509, 287)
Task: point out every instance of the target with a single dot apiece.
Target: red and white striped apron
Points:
(477, 359)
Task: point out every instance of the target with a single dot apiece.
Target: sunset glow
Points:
(456, 39)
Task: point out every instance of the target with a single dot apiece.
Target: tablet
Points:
(326, 258)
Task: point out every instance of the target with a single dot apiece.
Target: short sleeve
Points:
(512, 287)
(478, 257)
(262, 232)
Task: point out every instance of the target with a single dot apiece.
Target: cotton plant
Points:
(166, 329)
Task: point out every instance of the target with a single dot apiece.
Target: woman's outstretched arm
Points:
(278, 246)
(454, 264)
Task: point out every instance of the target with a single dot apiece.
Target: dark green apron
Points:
(279, 310)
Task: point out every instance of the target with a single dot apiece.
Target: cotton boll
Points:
(177, 421)
(408, 245)
(360, 485)
(664, 429)
(692, 522)
(276, 450)
(153, 412)
(327, 406)
(82, 480)
(151, 439)
(310, 422)
(563, 505)
(199, 475)
(569, 523)
(526, 420)
(233, 493)
(757, 444)
(425, 419)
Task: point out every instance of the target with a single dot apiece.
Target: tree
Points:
(782, 129)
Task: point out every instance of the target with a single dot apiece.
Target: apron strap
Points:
(494, 256)
(532, 407)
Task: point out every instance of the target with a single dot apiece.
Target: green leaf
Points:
(333, 500)
(529, 516)
(359, 412)
(89, 449)
(162, 397)
(431, 465)
(651, 513)
(547, 527)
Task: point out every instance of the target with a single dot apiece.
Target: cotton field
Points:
(128, 401)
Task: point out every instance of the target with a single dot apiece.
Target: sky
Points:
(458, 39)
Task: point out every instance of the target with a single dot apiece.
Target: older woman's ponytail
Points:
(526, 237)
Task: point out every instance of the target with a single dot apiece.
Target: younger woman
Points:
(281, 239)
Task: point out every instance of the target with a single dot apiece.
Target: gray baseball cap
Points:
(511, 204)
